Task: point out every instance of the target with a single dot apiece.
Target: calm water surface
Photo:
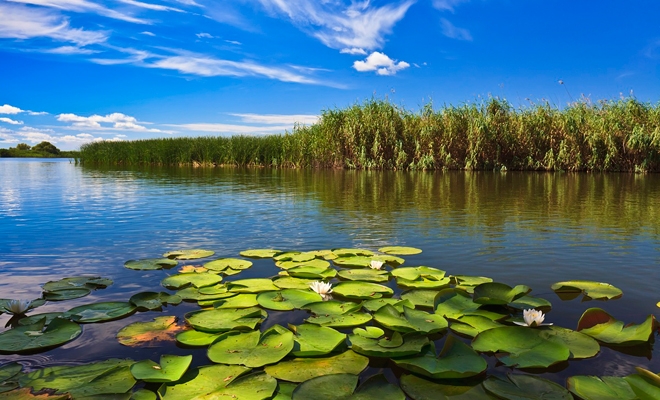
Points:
(58, 219)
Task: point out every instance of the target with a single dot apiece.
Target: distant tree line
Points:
(41, 150)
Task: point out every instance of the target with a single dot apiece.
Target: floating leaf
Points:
(260, 253)
(225, 264)
(311, 272)
(67, 294)
(220, 320)
(410, 320)
(527, 302)
(352, 252)
(413, 273)
(150, 264)
(191, 279)
(38, 336)
(202, 294)
(376, 304)
(255, 285)
(170, 369)
(196, 338)
(154, 300)
(143, 394)
(252, 349)
(8, 376)
(525, 387)
(394, 346)
(593, 290)
(472, 325)
(421, 389)
(457, 360)
(100, 312)
(333, 307)
(600, 388)
(312, 340)
(191, 254)
(361, 290)
(26, 394)
(645, 387)
(200, 383)
(342, 386)
(89, 282)
(149, 334)
(288, 282)
(312, 263)
(241, 300)
(365, 275)
(287, 299)
(303, 369)
(598, 324)
(371, 332)
(400, 250)
(420, 297)
(346, 320)
(34, 318)
(454, 303)
(498, 293)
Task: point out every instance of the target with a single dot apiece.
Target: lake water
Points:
(58, 219)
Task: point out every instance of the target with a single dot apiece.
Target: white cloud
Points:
(354, 51)
(148, 33)
(233, 129)
(37, 113)
(447, 5)
(21, 22)
(381, 63)
(204, 35)
(84, 6)
(454, 32)
(10, 121)
(237, 43)
(149, 6)
(7, 109)
(70, 50)
(289, 119)
(359, 25)
(118, 121)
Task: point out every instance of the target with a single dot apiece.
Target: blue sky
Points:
(74, 71)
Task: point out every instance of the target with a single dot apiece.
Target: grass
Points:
(622, 135)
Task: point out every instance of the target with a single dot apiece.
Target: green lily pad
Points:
(454, 303)
(376, 304)
(413, 273)
(352, 252)
(389, 259)
(90, 380)
(150, 264)
(287, 299)
(422, 389)
(9, 376)
(196, 338)
(255, 285)
(472, 325)
(361, 290)
(423, 283)
(215, 292)
(498, 293)
(149, 334)
(310, 272)
(34, 318)
(312, 340)
(303, 369)
(333, 307)
(346, 320)
(465, 281)
(288, 282)
(365, 275)
(645, 385)
(400, 250)
(202, 382)
(525, 387)
(67, 294)
(371, 332)
(296, 256)
(89, 282)
(420, 297)
(410, 320)
(312, 263)
(143, 394)
(593, 290)
(456, 360)
(394, 346)
(195, 279)
(225, 264)
(260, 253)
(170, 369)
(191, 254)
(600, 325)
(600, 388)
(252, 349)
(220, 320)
(241, 300)
(100, 312)
(342, 387)
(527, 302)
(154, 300)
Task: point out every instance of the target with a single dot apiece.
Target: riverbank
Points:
(622, 135)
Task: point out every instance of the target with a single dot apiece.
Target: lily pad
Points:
(527, 302)
(342, 387)
(456, 360)
(593, 290)
(312, 340)
(202, 294)
(472, 325)
(600, 388)
(100, 312)
(260, 253)
(645, 387)
(288, 282)
(420, 297)
(203, 382)
(394, 346)
(353, 261)
(170, 369)
(525, 387)
(224, 264)
(89, 282)
(26, 394)
(220, 320)
(410, 320)
(154, 300)
(34, 318)
(287, 299)
(67, 294)
(303, 369)
(333, 307)
(191, 254)
(255, 285)
(193, 337)
(252, 349)
(311, 272)
(365, 275)
(498, 293)
(361, 290)
(346, 320)
(149, 334)
(376, 304)
(9, 376)
(312, 263)
(345, 252)
(296, 256)
(600, 325)
(197, 280)
(151, 264)
(241, 300)
(454, 303)
(412, 273)
(422, 389)
(400, 250)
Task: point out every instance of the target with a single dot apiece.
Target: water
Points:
(58, 219)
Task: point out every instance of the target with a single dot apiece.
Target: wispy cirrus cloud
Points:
(85, 6)
(23, 22)
(10, 121)
(447, 5)
(70, 50)
(359, 25)
(289, 119)
(454, 32)
(380, 63)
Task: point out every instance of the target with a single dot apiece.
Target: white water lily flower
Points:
(532, 318)
(322, 288)
(18, 307)
(375, 264)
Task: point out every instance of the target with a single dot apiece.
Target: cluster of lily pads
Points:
(354, 318)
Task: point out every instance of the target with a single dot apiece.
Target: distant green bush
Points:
(41, 150)
(621, 135)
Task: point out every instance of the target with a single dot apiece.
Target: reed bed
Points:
(621, 135)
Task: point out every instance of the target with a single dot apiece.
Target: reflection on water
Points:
(58, 219)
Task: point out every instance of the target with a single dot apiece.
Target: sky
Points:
(76, 71)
